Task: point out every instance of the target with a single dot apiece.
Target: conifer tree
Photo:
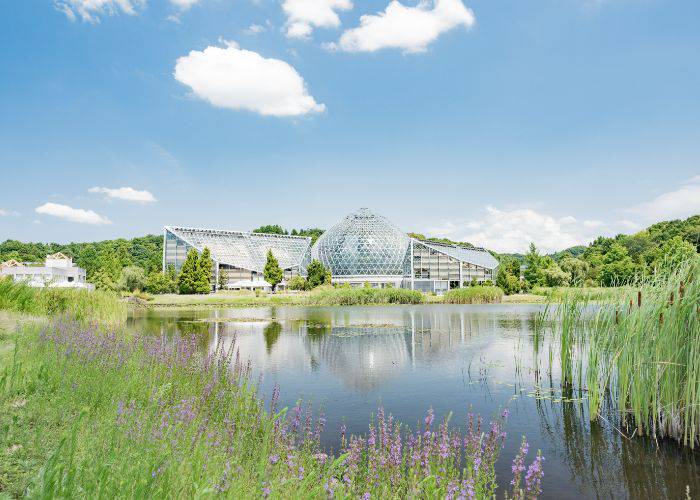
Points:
(317, 274)
(273, 273)
(187, 281)
(204, 266)
(223, 279)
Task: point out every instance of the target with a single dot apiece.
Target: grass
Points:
(597, 293)
(81, 305)
(90, 412)
(474, 295)
(641, 347)
(329, 296)
(229, 299)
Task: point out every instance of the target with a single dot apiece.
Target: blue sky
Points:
(498, 123)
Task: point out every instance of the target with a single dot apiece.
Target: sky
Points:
(494, 122)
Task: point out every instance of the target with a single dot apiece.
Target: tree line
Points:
(606, 261)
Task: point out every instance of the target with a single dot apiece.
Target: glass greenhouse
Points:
(362, 248)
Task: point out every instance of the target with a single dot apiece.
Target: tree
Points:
(673, 253)
(297, 283)
(317, 274)
(273, 272)
(187, 281)
(223, 280)
(204, 267)
(132, 278)
(158, 282)
(534, 263)
(271, 229)
(618, 267)
(576, 268)
(554, 276)
(102, 281)
(508, 275)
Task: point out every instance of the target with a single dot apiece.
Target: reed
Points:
(329, 296)
(81, 305)
(473, 295)
(643, 349)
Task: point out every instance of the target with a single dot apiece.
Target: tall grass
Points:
(81, 305)
(328, 296)
(91, 413)
(643, 349)
(473, 295)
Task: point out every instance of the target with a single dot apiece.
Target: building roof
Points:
(364, 244)
(477, 256)
(247, 250)
(10, 263)
(58, 256)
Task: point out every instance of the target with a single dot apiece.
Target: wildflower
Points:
(274, 459)
(533, 478)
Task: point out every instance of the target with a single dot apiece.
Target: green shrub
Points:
(297, 283)
(473, 295)
(329, 296)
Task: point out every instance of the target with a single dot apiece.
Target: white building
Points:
(58, 271)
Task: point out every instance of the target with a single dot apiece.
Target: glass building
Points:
(240, 256)
(362, 248)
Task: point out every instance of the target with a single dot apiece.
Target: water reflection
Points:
(452, 358)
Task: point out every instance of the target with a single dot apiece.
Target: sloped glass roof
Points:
(477, 256)
(247, 250)
(364, 244)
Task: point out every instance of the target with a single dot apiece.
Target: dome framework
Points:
(364, 244)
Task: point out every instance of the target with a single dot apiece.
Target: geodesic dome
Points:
(364, 244)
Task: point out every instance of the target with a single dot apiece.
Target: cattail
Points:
(670, 300)
(661, 319)
(681, 291)
(639, 298)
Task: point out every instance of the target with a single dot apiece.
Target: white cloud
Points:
(304, 15)
(8, 213)
(234, 78)
(125, 193)
(512, 231)
(72, 214)
(410, 29)
(91, 10)
(254, 29)
(682, 202)
(181, 6)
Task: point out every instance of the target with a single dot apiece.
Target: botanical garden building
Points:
(362, 248)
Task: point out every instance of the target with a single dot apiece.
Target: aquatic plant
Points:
(473, 295)
(103, 413)
(330, 296)
(80, 305)
(643, 349)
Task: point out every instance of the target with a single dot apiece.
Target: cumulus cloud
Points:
(682, 202)
(124, 193)
(234, 78)
(79, 215)
(512, 231)
(91, 10)
(304, 15)
(410, 29)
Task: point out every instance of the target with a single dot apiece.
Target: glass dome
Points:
(364, 244)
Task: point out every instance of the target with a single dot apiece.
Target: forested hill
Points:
(112, 256)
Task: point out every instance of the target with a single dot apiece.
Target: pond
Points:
(453, 358)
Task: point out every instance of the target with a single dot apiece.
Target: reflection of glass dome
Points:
(364, 244)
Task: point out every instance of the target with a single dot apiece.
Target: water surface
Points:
(453, 358)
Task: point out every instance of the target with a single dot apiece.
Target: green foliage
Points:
(272, 273)
(111, 255)
(473, 295)
(102, 281)
(642, 350)
(204, 270)
(297, 283)
(508, 275)
(313, 232)
(159, 282)
(618, 267)
(317, 274)
(271, 229)
(447, 241)
(81, 305)
(132, 278)
(554, 276)
(329, 296)
(577, 269)
(189, 273)
(223, 280)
